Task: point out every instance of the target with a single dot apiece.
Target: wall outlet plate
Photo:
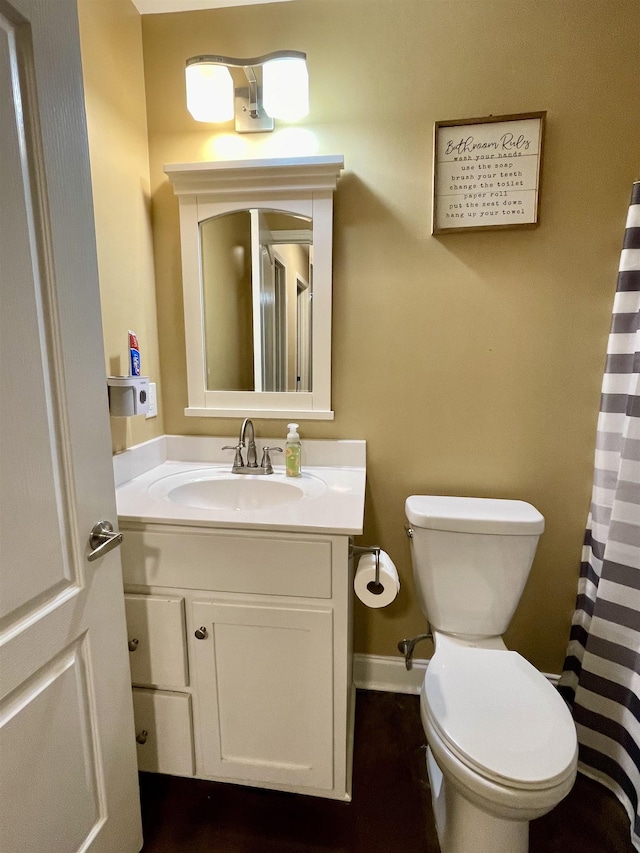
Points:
(153, 402)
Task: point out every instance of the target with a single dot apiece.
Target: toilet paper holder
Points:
(358, 551)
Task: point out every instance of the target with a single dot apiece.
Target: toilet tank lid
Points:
(474, 515)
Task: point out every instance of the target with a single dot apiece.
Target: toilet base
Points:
(463, 827)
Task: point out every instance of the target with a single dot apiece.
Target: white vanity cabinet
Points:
(241, 664)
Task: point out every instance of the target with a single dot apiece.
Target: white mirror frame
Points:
(302, 186)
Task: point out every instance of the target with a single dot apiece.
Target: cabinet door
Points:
(265, 693)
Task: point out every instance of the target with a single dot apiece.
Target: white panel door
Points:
(68, 777)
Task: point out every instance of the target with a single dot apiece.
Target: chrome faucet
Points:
(247, 439)
(247, 427)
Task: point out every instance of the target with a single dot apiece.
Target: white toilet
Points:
(502, 745)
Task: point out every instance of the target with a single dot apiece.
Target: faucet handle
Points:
(266, 459)
(238, 462)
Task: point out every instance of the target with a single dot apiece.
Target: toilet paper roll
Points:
(364, 581)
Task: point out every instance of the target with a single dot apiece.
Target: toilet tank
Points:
(471, 559)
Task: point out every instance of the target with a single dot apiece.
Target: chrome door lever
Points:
(102, 540)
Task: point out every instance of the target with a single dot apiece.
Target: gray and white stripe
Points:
(601, 678)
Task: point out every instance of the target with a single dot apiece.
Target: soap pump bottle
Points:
(293, 452)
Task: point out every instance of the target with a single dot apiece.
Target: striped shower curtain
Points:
(601, 678)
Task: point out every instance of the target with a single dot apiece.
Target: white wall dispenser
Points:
(128, 395)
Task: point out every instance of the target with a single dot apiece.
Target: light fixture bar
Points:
(233, 62)
(254, 106)
(250, 114)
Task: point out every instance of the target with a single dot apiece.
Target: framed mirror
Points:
(256, 240)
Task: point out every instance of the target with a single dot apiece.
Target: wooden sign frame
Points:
(486, 173)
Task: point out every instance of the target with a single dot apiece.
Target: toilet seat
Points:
(499, 715)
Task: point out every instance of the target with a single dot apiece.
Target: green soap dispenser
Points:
(293, 452)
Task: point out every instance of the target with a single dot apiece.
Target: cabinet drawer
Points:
(164, 731)
(205, 559)
(156, 635)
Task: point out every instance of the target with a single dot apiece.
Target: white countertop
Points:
(334, 475)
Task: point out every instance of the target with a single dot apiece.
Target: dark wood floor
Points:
(390, 811)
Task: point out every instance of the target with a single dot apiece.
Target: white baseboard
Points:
(376, 672)
(388, 673)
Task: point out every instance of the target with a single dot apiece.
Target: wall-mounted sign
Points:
(486, 172)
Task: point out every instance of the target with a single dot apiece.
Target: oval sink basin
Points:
(220, 490)
(235, 494)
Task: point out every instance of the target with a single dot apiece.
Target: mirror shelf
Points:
(256, 242)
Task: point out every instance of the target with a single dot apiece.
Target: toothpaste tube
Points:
(134, 354)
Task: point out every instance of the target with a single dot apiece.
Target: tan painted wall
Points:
(111, 40)
(471, 363)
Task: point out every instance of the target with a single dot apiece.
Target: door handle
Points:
(102, 540)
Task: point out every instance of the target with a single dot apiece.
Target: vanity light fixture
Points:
(277, 87)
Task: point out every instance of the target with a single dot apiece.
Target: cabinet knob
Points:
(142, 737)
(201, 633)
(133, 644)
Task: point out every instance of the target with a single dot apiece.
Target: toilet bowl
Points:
(502, 746)
(503, 740)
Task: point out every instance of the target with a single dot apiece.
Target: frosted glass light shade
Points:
(209, 92)
(285, 88)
